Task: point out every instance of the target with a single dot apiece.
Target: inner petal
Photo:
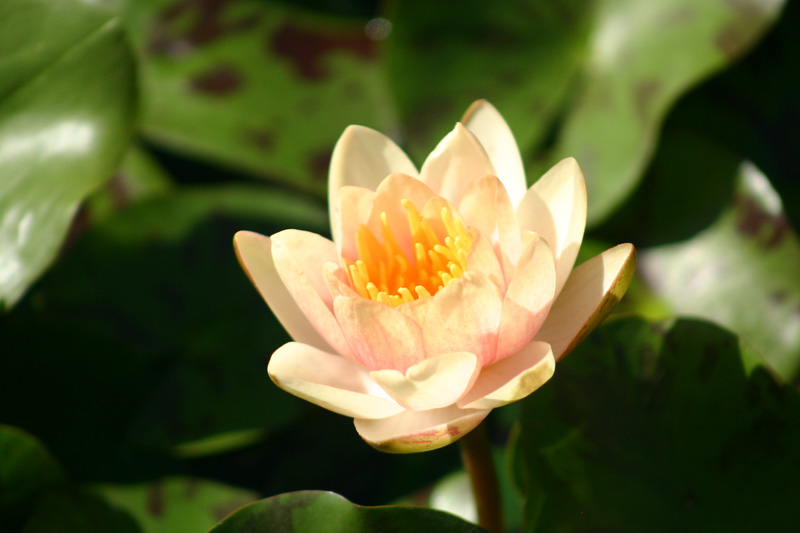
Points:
(384, 272)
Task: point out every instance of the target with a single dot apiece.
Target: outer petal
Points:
(329, 381)
(299, 258)
(358, 203)
(362, 157)
(433, 383)
(493, 132)
(487, 207)
(457, 160)
(528, 298)
(555, 208)
(254, 252)
(592, 291)
(511, 379)
(419, 431)
(464, 317)
(380, 336)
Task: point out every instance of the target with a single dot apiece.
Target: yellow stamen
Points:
(385, 273)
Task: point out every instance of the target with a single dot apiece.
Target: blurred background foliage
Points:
(136, 136)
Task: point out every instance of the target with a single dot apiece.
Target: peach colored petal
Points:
(433, 383)
(529, 296)
(336, 280)
(362, 157)
(487, 207)
(357, 202)
(457, 160)
(563, 191)
(592, 291)
(254, 252)
(511, 379)
(329, 381)
(416, 310)
(464, 317)
(419, 431)
(299, 257)
(493, 132)
(379, 335)
(390, 192)
(482, 258)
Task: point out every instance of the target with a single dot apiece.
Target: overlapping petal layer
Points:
(443, 294)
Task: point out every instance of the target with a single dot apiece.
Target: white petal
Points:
(330, 381)
(255, 255)
(493, 132)
(457, 160)
(430, 384)
(356, 203)
(555, 208)
(592, 291)
(511, 379)
(362, 157)
(419, 431)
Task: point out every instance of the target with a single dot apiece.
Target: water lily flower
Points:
(445, 292)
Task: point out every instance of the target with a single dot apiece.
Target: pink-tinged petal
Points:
(416, 310)
(329, 381)
(336, 281)
(482, 258)
(487, 207)
(592, 291)
(299, 258)
(529, 296)
(419, 431)
(379, 335)
(388, 198)
(357, 202)
(457, 160)
(254, 252)
(464, 317)
(362, 157)
(555, 208)
(493, 132)
(433, 383)
(511, 379)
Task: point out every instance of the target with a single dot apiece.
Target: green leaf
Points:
(255, 84)
(325, 511)
(27, 470)
(642, 56)
(78, 511)
(149, 333)
(67, 107)
(660, 427)
(521, 56)
(177, 503)
(740, 272)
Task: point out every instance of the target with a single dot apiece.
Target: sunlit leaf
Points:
(660, 427)
(67, 106)
(310, 512)
(741, 272)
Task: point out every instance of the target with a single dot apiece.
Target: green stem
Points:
(476, 452)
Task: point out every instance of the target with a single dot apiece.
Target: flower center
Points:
(383, 271)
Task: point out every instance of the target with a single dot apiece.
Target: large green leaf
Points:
(255, 84)
(642, 56)
(522, 56)
(67, 106)
(178, 503)
(309, 512)
(660, 427)
(149, 334)
(27, 470)
(740, 272)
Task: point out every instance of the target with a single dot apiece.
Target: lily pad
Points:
(78, 511)
(660, 427)
(311, 511)
(177, 503)
(67, 111)
(740, 272)
(255, 84)
(642, 56)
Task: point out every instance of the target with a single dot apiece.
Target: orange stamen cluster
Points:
(384, 273)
